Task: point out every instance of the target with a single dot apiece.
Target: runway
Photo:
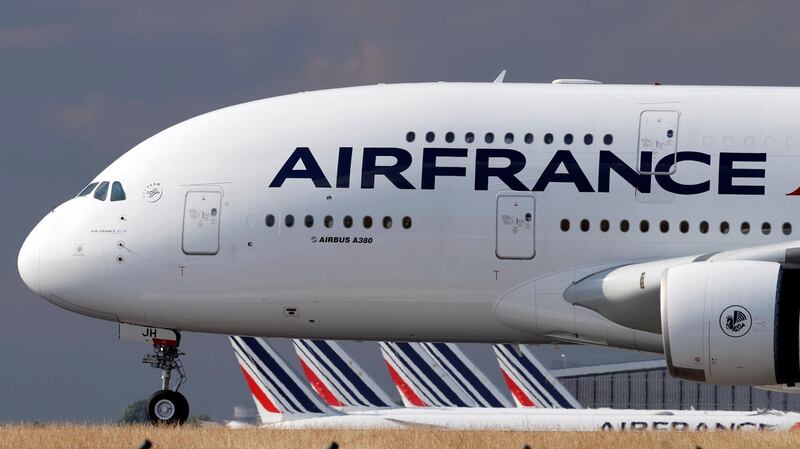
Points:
(70, 436)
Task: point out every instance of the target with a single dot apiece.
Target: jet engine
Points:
(732, 322)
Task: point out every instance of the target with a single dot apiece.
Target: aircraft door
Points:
(201, 217)
(658, 141)
(515, 226)
(658, 134)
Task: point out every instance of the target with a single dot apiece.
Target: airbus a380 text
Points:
(656, 218)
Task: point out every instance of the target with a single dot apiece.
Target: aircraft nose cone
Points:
(28, 259)
(28, 263)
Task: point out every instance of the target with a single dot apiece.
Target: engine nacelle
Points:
(732, 322)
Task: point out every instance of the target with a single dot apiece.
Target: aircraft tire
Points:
(167, 407)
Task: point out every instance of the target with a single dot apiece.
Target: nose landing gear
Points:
(167, 406)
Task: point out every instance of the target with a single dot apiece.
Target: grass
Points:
(69, 436)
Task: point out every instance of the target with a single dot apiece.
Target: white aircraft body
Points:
(654, 218)
(284, 402)
(583, 420)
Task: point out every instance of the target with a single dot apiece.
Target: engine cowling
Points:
(732, 322)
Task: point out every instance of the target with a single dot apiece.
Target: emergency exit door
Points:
(201, 215)
(515, 226)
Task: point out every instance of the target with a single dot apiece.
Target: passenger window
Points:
(766, 228)
(608, 139)
(328, 221)
(529, 138)
(588, 139)
(367, 222)
(289, 221)
(585, 225)
(604, 225)
(269, 220)
(88, 189)
(568, 139)
(102, 191)
(724, 227)
(787, 228)
(703, 227)
(309, 221)
(449, 137)
(548, 138)
(565, 225)
(624, 225)
(509, 138)
(348, 221)
(489, 137)
(406, 222)
(664, 226)
(429, 136)
(644, 225)
(410, 136)
(117, 192)
(469, 137)
(745, 228)
(387, 222)
(684, 226)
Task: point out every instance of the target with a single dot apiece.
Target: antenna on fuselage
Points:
(500, 77)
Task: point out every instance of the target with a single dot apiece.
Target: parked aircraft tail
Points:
(277, 391)
(337, 378)
(471, 380)
(437, 375)
(530, 383)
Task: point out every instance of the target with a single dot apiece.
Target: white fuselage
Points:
(443, 278)
(552, 420)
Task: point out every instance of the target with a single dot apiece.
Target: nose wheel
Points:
(167, 406)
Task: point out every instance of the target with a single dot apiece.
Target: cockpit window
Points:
(117, 192)
(88, 189)
(102, 191)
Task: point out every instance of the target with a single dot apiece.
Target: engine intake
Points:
(732, 322)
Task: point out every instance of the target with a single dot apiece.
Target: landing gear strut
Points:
(167, 406)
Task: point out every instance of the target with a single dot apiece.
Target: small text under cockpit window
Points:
(117, 192)
(88, 189)
(102, 191)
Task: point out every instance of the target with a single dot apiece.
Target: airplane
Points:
(646, 217)
(286, 403)
(530, 383)
(438, 375)
(424, 374)
(338, 379)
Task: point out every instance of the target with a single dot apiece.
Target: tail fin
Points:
(419, 379)
(337, 378)
(470, 379)
(276, 389)
(530, 383)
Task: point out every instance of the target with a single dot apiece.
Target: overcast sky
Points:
(82, 82)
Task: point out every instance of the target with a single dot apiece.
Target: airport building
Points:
(648, 385)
